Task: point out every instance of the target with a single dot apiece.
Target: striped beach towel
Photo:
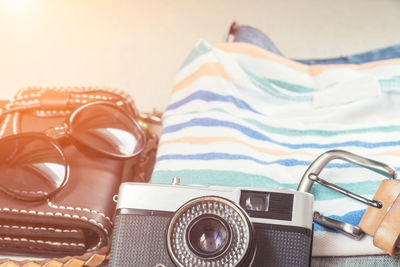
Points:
(242, 116)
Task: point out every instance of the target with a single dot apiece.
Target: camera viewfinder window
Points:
(268, 205)
(255, 201)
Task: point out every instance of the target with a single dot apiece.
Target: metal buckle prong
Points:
(373, 203)
(312, 175)
(320, 162)
(347, 229)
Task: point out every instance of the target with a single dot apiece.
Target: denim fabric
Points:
(254, 36)
(248, 34)
(359, 261)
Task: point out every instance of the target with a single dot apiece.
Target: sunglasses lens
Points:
(31, 166)
(107, 129)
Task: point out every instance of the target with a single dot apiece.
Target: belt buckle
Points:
(312, 175)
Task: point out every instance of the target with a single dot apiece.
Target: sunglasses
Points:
(33, 166)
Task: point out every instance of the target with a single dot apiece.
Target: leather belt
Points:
(384, 223)
(382, 217)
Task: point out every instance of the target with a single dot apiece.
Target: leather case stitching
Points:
(30, 228)
(54, 206)
(52, 243)
(59, 214)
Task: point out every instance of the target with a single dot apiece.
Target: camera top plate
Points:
(152, 199)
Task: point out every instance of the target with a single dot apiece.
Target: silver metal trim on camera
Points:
(147, 196)
(238, 247)
(178, 225)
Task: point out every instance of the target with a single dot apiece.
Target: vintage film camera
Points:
(159, 225)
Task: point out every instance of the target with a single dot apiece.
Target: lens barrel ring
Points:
(237, 249)
(221, 237)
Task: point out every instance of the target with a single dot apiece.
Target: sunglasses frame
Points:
(55, 142)
(68, 130)
(51, 142)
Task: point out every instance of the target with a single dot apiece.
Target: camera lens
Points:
(210, 231)
(208, 236)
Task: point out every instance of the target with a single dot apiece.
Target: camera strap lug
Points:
(381, 203)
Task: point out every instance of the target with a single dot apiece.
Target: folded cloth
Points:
(243, 116)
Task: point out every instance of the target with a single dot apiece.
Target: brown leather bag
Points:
(78, 220)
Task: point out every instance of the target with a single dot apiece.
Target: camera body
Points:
(159, 225)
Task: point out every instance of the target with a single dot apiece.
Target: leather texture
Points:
(383, 224)
(387, 236)
(78, 219)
